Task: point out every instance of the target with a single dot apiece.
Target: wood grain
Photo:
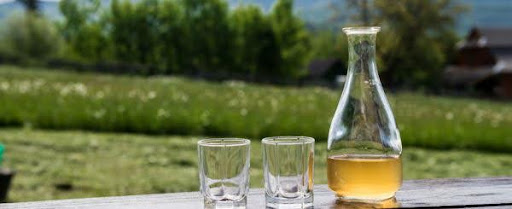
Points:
(493, 193)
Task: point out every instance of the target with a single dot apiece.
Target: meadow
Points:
(74, 135)
(46, 99)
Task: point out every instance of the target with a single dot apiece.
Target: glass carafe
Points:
(364, 146)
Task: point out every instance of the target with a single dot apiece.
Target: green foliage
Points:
(133, 31)
(292, 38)
(161, 105)
(30, 36)
(128, 164)
(189, 36)
(417, 39)
(256, 49)
(172, 37)
(329, 44)
(82, 30)
(208, 35)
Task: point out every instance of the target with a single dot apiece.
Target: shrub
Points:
(31, 36)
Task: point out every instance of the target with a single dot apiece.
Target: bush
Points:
(31, 36)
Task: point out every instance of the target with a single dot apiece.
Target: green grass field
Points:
(51, 121)
(104, 164)
(45, 99)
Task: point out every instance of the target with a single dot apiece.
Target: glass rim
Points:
(287, 140)
(361, 30)
(223, 142)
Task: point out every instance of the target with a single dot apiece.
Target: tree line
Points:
(194, 36)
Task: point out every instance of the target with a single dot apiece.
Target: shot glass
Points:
(288, 171)
(224, 172)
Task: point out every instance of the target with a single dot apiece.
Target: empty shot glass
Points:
(288, 171)
(224, 172)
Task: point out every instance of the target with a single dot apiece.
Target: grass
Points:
(45, 99)
(105, 164)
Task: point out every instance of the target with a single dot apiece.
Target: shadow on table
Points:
(341, 204)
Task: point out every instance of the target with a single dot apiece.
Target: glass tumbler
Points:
(224, 172)
(288, 171)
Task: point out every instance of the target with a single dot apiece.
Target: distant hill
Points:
(317, 13)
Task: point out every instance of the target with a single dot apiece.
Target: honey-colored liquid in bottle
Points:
(364, 177)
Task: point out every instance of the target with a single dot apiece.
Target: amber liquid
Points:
(364, 177)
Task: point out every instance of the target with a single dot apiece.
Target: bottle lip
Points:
(361, 30)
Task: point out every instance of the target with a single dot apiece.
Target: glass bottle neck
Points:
(362, 62)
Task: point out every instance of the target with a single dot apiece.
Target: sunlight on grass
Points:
(40, 98)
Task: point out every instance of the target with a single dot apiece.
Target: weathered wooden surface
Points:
(445, 193)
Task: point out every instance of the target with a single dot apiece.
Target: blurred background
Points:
(109, 97)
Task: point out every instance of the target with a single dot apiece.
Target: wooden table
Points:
(441, 193)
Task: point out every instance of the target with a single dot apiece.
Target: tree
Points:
(134, 30)
(171, 35)
(416, 38)
(292, 38)
(30, 36)
(82, 30)
(255, 45)
(30, 5)
(208, 35)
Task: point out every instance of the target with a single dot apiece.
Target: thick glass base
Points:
(220, 204)
(289, 203)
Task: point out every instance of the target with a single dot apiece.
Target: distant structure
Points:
(483, 62)
(328, 72)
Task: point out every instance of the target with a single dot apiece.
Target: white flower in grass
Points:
(161, 113)
(274, 104)
(496, 120)
(39, 83)
(449, 116)
(65, 90)
(80, 89)
(151, 95)
(233, 102)
(243, 112)
(5, 85)
(24, 86)
(184, 98)
(99, 113)
(99, 95)
(478, 116)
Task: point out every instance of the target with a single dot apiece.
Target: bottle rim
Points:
(361, 30)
